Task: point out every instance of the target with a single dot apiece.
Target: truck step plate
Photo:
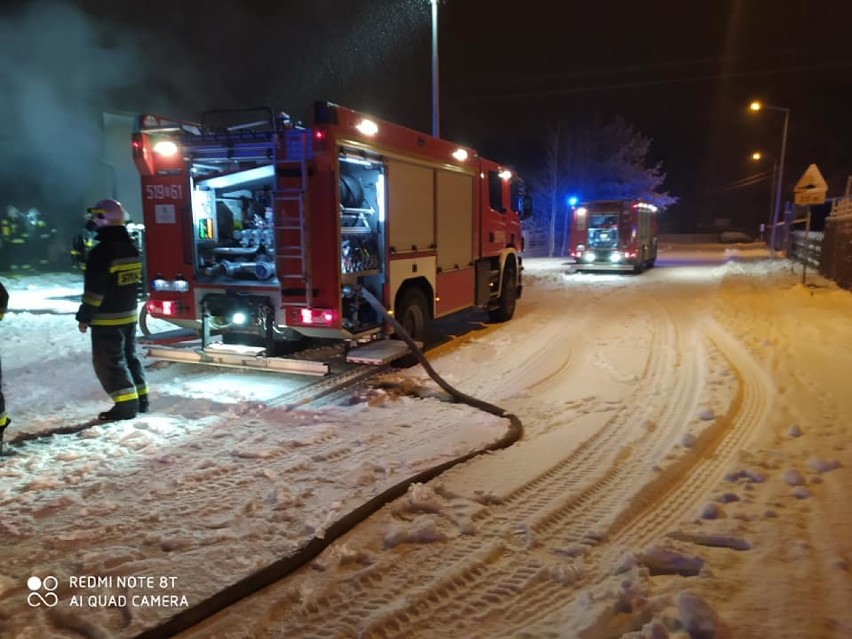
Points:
(379, 352)
(237, 358)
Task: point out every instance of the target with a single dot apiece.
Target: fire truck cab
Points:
(613, 235)
(265, 232)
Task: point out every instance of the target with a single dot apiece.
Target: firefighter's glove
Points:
(82, 327)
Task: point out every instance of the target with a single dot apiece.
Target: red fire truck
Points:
(265, 232)
(613, 235)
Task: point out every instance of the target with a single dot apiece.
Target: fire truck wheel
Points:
(508, 297)
(413, 313)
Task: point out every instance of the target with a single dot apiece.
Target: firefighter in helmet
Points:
(112, 277)
(15, 239)
(41, 239)
(83, 243)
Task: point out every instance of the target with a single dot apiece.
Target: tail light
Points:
(319, 136)
(313, 317)
(165, 308)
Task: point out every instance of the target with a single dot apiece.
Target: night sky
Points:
(681, 72)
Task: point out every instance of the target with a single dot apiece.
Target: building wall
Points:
(117, 177)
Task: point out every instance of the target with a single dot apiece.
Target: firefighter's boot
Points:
(119, 412)
(143, 404)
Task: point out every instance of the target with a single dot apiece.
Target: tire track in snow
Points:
(538, 501)
(437, 605)
(680, 488)
(524, 595)
(500, 376)
(542, 364)
(579, 525)
(558, 516)
(508, 576)
(715, 449)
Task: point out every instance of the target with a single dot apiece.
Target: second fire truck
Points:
(265, 232)
(613, 235)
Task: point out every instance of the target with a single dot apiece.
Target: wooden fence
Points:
(830, 252)
(835, 259)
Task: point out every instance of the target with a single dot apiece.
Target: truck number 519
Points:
(164, 192)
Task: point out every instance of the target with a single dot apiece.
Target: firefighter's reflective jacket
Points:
(15, 234)
(6, 229)
(82, 245)
(41, 236)
(113, 275)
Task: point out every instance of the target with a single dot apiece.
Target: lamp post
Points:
(435, 127)
(757, 156)
(757, 106)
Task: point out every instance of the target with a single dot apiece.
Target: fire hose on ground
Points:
(287, 565)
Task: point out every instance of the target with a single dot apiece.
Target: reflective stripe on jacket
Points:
(113, 274)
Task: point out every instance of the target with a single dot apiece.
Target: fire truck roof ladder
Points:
(291, 228)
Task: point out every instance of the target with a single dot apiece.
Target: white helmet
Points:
(108, 213)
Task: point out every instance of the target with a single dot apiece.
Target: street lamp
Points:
(757, 106)
(435, 128)
(757, 156)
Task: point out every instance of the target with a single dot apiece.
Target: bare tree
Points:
(597, 160)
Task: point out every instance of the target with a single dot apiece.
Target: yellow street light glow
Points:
(505, 174)
(460, 155)
(166, 148)
(756, 155)
(367, 127)
(779, 171)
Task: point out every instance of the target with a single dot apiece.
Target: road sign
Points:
(809, 197)
(811, 187)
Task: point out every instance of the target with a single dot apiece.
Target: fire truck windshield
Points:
(603, 231)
